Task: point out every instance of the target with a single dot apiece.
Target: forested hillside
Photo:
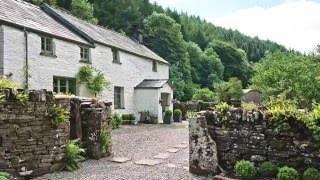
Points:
(200, 53)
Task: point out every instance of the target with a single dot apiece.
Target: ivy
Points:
(93, 79)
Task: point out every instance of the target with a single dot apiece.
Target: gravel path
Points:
(138, 142)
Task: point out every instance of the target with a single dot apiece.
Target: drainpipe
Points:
(26, 86)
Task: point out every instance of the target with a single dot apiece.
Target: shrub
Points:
(311, 173)
(245, 170)
(73, 155)
(287, 173)
(4, 176)
(116, 121)
(22, 98)
(231, 90)
(7, 83)
(125, 117)
(249, 106)
(204, 95)
(57, 114)
(131, 117)
(177, 112)
(168, 113)
(222, 107)
(269, 169)
(93, 79)
(281, 110)
(105, 140)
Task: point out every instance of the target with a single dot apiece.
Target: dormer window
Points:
(115, 56)
(84, 54)
(47, 46)
(154, 66)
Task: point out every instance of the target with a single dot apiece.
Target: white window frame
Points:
(45, 43)
(120, 99)
(85, 54)
(67, 84)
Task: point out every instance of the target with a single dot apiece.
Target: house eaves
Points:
(101, 35)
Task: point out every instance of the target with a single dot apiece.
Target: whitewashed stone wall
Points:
(42, 68)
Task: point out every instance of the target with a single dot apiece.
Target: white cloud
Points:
(295, 24)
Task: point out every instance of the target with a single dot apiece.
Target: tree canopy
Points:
(292, 75)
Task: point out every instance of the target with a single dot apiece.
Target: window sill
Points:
(85, 61)
(119, 108)
(117, 62)
(48, 54)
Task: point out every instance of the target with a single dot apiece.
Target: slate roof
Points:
(105, 36)
(23, 14)
(153, 83)
(248, 90)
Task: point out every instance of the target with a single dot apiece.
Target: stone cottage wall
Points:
(248, 136)
(29, 144)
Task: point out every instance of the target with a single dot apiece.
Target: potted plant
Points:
(168, 117)
(132, 119)
(125, 119)
(177, 115)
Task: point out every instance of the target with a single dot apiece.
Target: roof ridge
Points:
(105, 28)
(27, 3)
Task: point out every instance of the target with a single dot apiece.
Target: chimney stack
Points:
(137, 33)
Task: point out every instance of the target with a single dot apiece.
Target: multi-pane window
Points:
(46, 45)
(84, 53)
(64, 85)
(115, 55)
(118, 97)
(154, 66)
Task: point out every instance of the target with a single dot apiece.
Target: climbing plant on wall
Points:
(93, 79)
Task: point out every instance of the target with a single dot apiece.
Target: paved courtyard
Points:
(164, 147)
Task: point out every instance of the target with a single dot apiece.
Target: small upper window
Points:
(154, 66)
(115, 55)
(46, 45)
(84, 53)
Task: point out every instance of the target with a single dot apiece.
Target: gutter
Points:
(26, 85)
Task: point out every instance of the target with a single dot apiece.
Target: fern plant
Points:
(57, 114)
(73, 155)
(105, 140)
(116, 121)
(4, 176)
(22, 98)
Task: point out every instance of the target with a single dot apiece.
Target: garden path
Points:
(140, 143)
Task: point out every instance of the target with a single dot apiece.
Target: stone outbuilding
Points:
(252, 96)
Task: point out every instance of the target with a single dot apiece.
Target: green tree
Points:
(211, 70)
(84, 10)
(290, 74)
(204, 95)
(164, 37)
(231, 90)
(234, 60)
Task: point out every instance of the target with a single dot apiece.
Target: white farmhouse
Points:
(45, 47)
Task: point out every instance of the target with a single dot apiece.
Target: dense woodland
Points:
(202, 56)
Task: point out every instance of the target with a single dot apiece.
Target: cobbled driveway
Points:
(138, 142)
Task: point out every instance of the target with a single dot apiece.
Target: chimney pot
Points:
(137, 33)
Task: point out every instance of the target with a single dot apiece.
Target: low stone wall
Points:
(248, 136)
(29, 144)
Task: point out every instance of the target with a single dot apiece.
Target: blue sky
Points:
(293, 23)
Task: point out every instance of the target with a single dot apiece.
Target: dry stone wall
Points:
(248, 136)
(29, 144)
